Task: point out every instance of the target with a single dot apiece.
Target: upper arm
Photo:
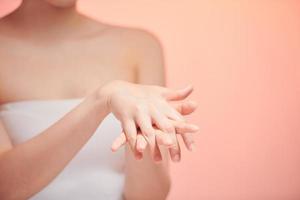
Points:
(149, 59)
(5, 142)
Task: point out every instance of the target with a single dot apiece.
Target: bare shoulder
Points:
(148, 52)
(143, 43)
(139, 35)
(140, 38)
(145, 50)
(136, 39)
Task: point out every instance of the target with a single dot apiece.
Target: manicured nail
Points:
(138, 156)
(168, 141)
(194, 127)
(188, 87)
(192, 147)
(176, 158)
(141, 148)
(157, 158)
(193, 103)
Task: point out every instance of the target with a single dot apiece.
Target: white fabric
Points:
(94, 173)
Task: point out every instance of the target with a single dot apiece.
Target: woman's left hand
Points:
(182, 128)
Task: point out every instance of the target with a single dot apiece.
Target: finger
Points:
(174, 147)
(186, 107)
(175, 152)
(141, 143)
(157, 153)
(188, 140)
(145, 124)
(130, 131)
(163, 139)
(186, 131)
(173, 114)
(164, 124)
(180, 94)
(118, 142)
(168, 110)
(129, 128)
(183, 127)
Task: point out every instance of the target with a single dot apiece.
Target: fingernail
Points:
(194, 127)
(176, 158)
(188, 86)
(140, 148)
(193, 103)
(192, 147)
(157, 158)
(138, 156)
(169, 141)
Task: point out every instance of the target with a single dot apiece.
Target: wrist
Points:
(105, 92)
(100, 101)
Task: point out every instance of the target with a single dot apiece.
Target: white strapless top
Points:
(95, 173)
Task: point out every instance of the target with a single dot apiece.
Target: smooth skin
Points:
(49, 51)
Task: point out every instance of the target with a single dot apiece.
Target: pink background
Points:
(243, 58)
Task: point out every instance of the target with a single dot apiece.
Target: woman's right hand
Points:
(141, 107)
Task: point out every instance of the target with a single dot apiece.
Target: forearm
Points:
(146, 179)
(30, 166)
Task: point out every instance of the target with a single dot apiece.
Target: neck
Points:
(38, 14)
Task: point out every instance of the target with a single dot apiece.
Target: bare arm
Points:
(27, 168)
(146, 179)
(30, 166)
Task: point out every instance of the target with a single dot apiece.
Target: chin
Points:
(62, 3)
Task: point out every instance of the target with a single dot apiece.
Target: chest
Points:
(61, 70)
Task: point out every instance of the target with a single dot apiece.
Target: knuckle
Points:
(183, 119)
(139, 108)
(131, 138)
(181, 126)
(169, 128)
(152, 107)
(179, 117)
(148, 131)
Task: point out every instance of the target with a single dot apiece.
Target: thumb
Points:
(179, 94)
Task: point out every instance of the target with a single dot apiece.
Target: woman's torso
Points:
(69, 66)
(94, 173)
(35, 72)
